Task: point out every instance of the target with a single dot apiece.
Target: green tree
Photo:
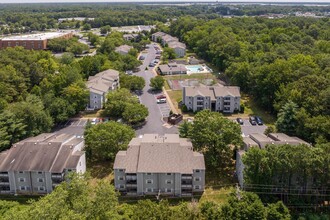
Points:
(286, 119)
(77, 48)
(157, 82)
(105, 29)
(117, 101)
(135, 113)
(86, 27)
(12, 129)
(77, 95)
(277, 211)
(103, 141)
(215, 136)
(185, 129)
(33, 115)
(132, 82)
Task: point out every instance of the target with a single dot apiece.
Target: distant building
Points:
(159, 165)
(60, 20)
(130, 37)
(33, 41)
(172, 42)
(178, 47)
(215, 98)
(172, 69)
(123, 49)
(100, 85)
(38, 164)
(261, 140)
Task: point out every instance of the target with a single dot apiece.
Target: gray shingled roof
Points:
(159, 154)
(123, 48)
(102, 82)
(165, 68)
(46, 152)
(174, 44)
(212, 91)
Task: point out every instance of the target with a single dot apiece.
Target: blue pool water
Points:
(196, 68)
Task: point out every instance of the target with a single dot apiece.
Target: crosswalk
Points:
(76, 123)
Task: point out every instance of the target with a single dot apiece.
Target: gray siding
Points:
(95, 100)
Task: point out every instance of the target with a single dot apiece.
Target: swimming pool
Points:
(195, 68)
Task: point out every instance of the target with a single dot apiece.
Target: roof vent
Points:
(35, 143)
(49, 143)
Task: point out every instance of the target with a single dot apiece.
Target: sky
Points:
(49, 1)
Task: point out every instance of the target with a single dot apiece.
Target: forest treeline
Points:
(283, 63)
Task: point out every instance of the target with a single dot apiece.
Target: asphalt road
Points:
(248, 129)
(72, 126)
(148, 98)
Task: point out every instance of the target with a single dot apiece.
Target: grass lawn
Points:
(92, 114)
(219, 196)
(21, 199)
(252, 108)
(175, 96)
(199, 76)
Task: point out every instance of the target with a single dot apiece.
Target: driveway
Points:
(72, 126)
(248, 129)
(154, 124)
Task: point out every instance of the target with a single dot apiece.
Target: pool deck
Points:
(206, 69)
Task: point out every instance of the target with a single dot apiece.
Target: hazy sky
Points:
(44, 1)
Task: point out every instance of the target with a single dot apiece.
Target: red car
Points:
(161, 97)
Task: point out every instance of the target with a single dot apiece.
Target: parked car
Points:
(252, 120)
(95, 121)
(152, 64)
(129, 72)
(240, 121)
(259, 120)
(160, 101)
(156, 61)
(161, 97)
(141, 58)
(157, 57)
(137, 69)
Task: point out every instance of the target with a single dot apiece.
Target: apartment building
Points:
(215, 98)
(38, 164)
(171, 69)
(261, 140)
(159, 165)
(123, 49)
(33, 41)
(100, 85)
(172, 42)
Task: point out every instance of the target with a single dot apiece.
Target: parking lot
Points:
(248, 129)
(72, 126)
(164, 108)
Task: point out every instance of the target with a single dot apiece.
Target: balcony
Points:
(131, 185)
(186, 194)
(57, 176)
(226, 104)
(200, 103)
(4, 174)
(4, 183)
(186, 177)
(186, 186)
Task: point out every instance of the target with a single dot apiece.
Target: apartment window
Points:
(95, 101)
(197, 171)
(17, 43)
(149, 174)
(149, 190)
(169, 174)
(69, 170)
(168, 181)
(40, 180)
(22, 188)
(41, 188)
(39, 172)
(21, 179)
(95, 97)
(121, 186)
(21, 172)
(197, 187)
(168, 190)
(9, 44)
(24, 44)
(120, 170)
(149, 181)
(120, 178)
(197, 179)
